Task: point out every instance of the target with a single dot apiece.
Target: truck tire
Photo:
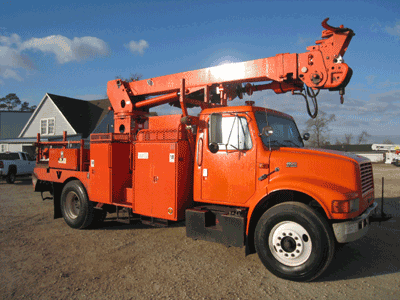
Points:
(76, 209)
(11, 177)
(294, 242)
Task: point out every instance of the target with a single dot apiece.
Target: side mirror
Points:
(215, 129)
(267, 131)
(213, 147)
(306, 136)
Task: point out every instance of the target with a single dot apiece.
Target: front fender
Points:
(321, 191)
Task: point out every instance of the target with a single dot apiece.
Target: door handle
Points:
(200, 152)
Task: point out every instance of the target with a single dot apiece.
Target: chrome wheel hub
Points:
(290, 243)
(72, 205)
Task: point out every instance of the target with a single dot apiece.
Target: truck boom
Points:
(321, 67)
(238, 175)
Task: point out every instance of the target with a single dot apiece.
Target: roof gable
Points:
(82, 115)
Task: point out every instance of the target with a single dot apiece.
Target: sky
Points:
(73, 49)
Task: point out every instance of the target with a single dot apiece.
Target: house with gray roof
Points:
(56, 114)
(11, 124)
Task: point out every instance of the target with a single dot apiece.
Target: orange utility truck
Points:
(238, 175)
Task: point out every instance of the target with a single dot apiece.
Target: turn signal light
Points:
(345, 206)
(342, 206)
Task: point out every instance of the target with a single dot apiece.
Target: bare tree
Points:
(319, 129)
(363, 137)
(387, 141)
(338, 142)
(348, 138)
(132, 77)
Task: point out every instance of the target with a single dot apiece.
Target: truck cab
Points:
(253, 161)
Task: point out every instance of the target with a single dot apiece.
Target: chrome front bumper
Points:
(354, 229)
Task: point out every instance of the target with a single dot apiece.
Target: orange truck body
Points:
(164, 168)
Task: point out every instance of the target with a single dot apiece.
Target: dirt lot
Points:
(42, 258)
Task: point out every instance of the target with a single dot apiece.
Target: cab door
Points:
(229, 174)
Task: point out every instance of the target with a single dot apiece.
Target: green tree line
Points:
(11, 102)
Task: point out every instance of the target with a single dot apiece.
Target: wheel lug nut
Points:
(286, 255)
(296, 238)
(284, 234)
(292, 255)
(278, 244)
(290, 234)
(298, 245)
(279, 238)
(298, 251)
(280, 250)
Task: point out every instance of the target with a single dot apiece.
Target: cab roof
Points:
(243, 109)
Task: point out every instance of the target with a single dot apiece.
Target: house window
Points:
(47, 126)
(3, 147)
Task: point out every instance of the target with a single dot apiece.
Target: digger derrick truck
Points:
(237, 175)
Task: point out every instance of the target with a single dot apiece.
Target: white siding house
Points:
(54, 115)
(47, 120)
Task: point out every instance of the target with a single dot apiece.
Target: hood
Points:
(328, 153)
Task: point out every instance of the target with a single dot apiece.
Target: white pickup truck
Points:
(13, 164)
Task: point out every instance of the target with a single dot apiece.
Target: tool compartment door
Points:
(155, 180)
(100, 173)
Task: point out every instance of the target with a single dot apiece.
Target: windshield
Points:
(285, 133)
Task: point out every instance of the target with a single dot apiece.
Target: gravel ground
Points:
(42, 258)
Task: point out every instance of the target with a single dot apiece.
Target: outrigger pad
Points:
(217, 224)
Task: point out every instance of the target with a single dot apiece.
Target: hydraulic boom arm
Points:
(321, 67)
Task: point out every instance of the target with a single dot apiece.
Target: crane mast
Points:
(321, 67)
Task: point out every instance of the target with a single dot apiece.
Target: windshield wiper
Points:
(276, 143)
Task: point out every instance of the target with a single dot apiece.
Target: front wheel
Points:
(11, 177)
(76, 209)
(294, 242)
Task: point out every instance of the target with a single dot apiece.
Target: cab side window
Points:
(233, 133)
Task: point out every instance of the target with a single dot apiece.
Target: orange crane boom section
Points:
(321, 67)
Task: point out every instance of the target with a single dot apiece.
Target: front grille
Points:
(367, 178)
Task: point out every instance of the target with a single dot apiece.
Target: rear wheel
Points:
(11, 177)
(294, 242)
(76, 209)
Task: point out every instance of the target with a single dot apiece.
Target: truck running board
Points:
(219, 224)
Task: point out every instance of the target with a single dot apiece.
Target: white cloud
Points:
(10, 73)
(376, 27)
(386, 84)
(137, 47)
(13, 40)
(13, 54)
(12, 58)
(67, 50)
(304, 40)
(395, 30)
(370, 78)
